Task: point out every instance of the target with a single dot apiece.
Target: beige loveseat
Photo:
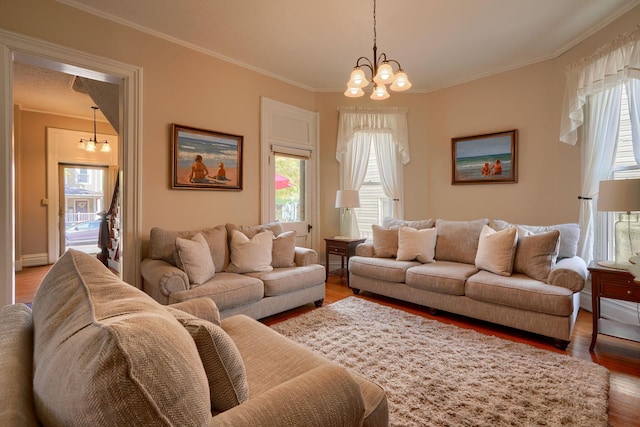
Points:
(525, 277)
(96, 351)
(251, 273)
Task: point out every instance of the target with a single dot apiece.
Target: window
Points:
(624, 167)
(374, 204)
(290, 189)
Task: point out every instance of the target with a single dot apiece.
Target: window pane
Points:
(290, 189)
(374, 204)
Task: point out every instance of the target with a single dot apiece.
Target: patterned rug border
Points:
(431, 379)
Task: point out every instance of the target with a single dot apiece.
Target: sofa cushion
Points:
(458, 240)
(496, 250)
(222, 362)
(282, 281)
(107, 345)
(251, 230)
(520, 291)
(227, 290)
(536, 253)
(421, 224)
(194, 258)
(445, 277)
(16, 354)
(416, 244)
(380, 268)
(162, 244)
(569, 235)
(385, 241)
(250, 254)
(284, 250)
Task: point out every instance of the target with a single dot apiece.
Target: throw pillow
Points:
(569, 235)
(536, 253)
(458, 240)
(496, 250)
(284, 250)
(223, 364)
(421, 224)
(250, 255)
(194, 258)
(162, 244)
(416, 244)
(385, 241)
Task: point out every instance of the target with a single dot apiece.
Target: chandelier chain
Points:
(374, 25)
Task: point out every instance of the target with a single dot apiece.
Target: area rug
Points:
(437, 374)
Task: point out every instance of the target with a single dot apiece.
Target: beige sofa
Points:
(525, 277)
(96, 351)
(246, 277)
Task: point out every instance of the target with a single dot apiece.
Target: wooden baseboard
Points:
(33, 260)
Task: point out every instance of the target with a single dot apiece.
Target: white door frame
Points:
(292, 128)
(44, 53)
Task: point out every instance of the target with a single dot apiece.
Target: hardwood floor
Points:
(620, 357)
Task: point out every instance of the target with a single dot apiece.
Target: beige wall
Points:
(190, 88)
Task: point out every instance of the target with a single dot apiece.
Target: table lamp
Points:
(347, 200)
(622, 195)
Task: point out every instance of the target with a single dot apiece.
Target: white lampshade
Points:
(384, 74)
(91, 145)
(401, 82)
(347, 199)
(620, 195)
(379, 92)
(354, 92)
(106, 148)
(358, 79)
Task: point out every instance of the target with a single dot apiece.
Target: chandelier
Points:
(90, 144)
(381, 72)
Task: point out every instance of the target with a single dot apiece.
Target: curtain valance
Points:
(612, 64)
(356, 119)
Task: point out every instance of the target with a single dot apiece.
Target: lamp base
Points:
(614, 265)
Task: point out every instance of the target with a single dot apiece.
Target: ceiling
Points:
(315, 44)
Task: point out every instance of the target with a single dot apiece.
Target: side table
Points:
(345, 248)
(614, 284)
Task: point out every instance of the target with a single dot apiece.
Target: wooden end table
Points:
(614, 284)
(345, 248)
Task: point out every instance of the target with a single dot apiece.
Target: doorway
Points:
(83, 196)
(17, 47)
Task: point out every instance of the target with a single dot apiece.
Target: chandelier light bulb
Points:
(379, 92)
(91, 145)
(401, 82)
(385, 74)
(354, 92)
(358, 79)
(106, 148)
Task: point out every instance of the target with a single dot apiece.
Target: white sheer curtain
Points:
(633, 94)
(390, 171)
(358, 128)
(596, 82)
(598, 151)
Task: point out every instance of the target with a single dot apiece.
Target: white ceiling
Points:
(315, 44)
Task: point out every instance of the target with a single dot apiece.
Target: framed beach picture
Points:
(490, 158)
(205, 160)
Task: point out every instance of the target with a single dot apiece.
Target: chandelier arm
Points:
(397, 63)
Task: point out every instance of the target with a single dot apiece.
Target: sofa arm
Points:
(305, 256)
(570, 273)
(165, 277)
(203, 308)
(303, 401)
(365, 249)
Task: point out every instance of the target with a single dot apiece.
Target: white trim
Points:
(130, 155)
(7, 183)
(34, 260)
(300, 139)
(611, 309)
